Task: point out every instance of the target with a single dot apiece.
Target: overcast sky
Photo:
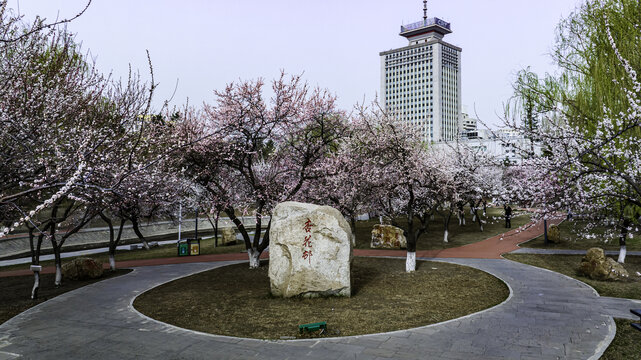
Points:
(336, 43)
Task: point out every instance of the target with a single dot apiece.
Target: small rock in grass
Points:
(82, 269)
(596, 266)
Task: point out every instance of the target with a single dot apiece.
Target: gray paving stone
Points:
(547, 316)
(524, 250)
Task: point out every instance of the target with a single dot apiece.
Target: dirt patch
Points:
(236, 301)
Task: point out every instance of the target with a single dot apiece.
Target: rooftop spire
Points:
(424, 10)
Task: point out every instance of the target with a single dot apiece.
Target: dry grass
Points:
(16, 291)
(236, 301)
(626, 344)
(568, 264)
(571, 240)
(458, 235)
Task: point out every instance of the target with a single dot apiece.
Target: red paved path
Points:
(491, 248)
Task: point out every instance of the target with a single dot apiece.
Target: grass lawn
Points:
(236, 301)
(567, 265)
(458, 235)
(16, 291)
(570, 239)
(626, 343)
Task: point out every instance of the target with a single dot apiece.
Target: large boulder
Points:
(228, 235)
(82, 269)
(387, 237)
(554, 234)
(596, 266)
(310, 250)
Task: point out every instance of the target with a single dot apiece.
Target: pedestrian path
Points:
(547, 316)
(568, 252)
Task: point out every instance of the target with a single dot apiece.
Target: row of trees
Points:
(588, 119)
(255, 153)
(76, 145)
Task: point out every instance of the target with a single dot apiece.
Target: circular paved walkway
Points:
(547, 316)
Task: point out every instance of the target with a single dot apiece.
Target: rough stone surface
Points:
(228, 235)
(554, 234)
(310, 251)
(387, 237)
(596, 266)
(82, 269)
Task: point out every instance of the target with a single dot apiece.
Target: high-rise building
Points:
(421, 82)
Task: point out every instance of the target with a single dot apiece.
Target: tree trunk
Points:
(352, 223)
(216, 228)
(56, 251)
(447, 226)
(622, 253)
(410, 261)
(36, 285)
(35, 260)
(622, 238)
(134, 223)
(240, 226)
(114, 245)
(254, 258)
(478, 219)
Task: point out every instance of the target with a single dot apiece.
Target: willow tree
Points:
(592, 111)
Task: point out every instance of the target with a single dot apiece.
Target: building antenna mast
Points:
(424, 10)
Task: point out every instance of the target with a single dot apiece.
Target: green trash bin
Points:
(183, 248)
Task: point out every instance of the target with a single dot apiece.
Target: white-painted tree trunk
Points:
(463, 220)
(473, 217)
(460, 221)
(254, 261)
(445, 236)
(145, 244)
(112, 262)
(481, 227)
(410, 262)
(58, 275)
(36, 284)
(622, 252)
(380, 219)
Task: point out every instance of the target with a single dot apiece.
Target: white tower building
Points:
(421, 83)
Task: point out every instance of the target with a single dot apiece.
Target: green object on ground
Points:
(183, 248)
(312, 327)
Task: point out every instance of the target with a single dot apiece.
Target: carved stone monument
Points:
(310, 251)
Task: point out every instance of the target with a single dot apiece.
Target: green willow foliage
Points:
(591, 82)
(589, 92)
